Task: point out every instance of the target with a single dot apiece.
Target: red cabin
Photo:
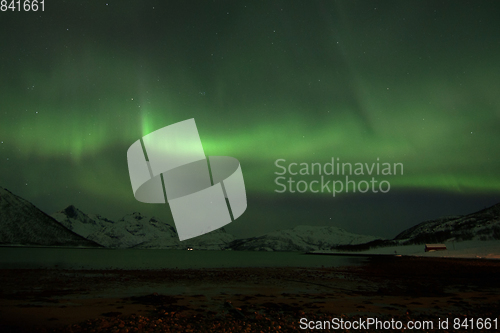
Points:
(434, 247)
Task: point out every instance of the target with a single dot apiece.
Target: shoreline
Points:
(387, 255)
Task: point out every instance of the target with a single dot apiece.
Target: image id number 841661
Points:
(22, 5)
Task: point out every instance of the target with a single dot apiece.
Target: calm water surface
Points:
(68, 258)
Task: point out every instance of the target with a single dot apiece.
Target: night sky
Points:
(411, 82)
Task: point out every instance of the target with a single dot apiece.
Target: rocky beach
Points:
(287, 299)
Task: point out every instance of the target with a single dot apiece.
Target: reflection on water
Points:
(68, 258)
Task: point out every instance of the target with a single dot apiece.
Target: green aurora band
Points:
(260, 88)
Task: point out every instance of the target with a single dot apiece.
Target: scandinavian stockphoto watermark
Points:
(335, 176)
(169, 164)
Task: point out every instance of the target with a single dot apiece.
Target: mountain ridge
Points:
(24, 224)
(481, 225)
(21, 223)
(301, 238)
(136, 231)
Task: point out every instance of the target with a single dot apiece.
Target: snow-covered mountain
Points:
(482, 225)
(80, 223)
(133, 230)
(301, 238)
(21, 223)
(136, 231)
(141, 232)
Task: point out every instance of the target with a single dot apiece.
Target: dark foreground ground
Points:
(463, 292)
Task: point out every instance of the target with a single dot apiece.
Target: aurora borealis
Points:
(414, 82)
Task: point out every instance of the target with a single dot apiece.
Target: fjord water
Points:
(74, 258)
